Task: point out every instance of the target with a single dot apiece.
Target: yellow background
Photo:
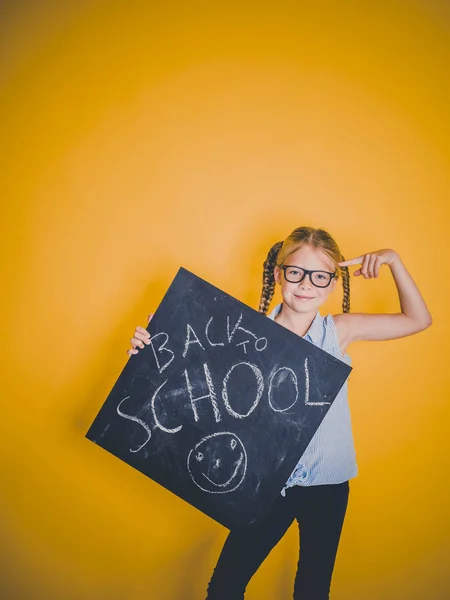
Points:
(140, 136)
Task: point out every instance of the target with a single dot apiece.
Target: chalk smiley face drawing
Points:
(218, 463)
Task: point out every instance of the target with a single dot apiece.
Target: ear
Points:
(277, 274)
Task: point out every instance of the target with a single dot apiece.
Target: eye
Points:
(320, 276)
(199, 456)
(233, 444)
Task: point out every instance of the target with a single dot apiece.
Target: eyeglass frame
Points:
(308, 272)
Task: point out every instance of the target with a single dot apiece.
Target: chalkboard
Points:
(221, 405)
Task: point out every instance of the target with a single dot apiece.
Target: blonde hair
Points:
(302, 236)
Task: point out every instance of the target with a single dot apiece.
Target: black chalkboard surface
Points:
(221, 405)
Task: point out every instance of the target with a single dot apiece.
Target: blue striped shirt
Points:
(330, 456)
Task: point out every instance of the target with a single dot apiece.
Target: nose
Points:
(306, 282)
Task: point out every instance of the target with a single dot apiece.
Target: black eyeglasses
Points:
(321, 279)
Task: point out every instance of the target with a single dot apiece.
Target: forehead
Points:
(310, 258)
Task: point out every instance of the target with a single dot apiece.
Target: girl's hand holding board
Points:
(141, 337)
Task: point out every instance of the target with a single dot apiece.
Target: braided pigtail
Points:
(268, 287)
(346, 287)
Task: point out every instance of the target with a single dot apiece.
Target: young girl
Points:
(306, 266)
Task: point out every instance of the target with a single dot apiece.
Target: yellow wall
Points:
(141, 136)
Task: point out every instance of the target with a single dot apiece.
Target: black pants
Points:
(320, 512)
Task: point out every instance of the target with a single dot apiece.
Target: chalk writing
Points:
(136, 420)
(218, 463)
(220, 406)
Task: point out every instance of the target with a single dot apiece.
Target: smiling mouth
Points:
(235, 472)
(304, 297)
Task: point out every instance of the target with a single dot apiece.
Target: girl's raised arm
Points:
(414, 315)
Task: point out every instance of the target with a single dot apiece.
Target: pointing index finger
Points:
(352, 261)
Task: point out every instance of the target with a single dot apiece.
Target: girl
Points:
(306, 266)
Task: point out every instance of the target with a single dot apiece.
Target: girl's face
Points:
(304, 297)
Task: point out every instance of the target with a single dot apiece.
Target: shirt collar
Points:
(315, 329)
